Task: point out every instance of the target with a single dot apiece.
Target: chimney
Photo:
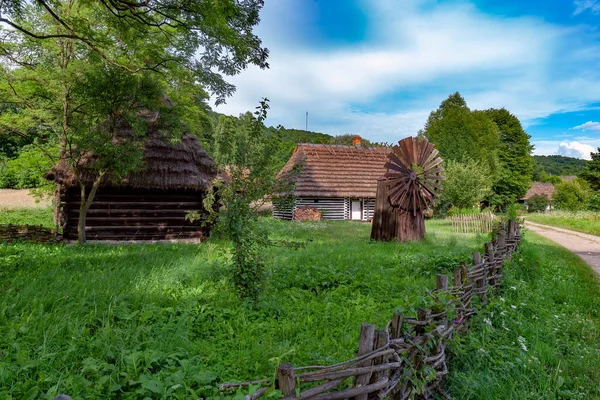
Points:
(356, 140)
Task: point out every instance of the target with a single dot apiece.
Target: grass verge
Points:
(580, 221)
(27, 216)
(161, 321)
(539, 337)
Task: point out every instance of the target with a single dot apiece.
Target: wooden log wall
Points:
(128, 214)
(407, 359)
(28, 233)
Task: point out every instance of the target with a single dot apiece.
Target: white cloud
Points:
(575, 149)
(590, 126)
(584, 5)
(414, 56)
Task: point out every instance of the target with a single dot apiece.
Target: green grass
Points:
(162, 321)
(540, 337)
(580, 221)
(27, 216)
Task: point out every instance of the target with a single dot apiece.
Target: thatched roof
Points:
(335, 170)
(540, 188)
(182, 165)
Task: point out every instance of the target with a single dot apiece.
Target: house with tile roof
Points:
(340, 181)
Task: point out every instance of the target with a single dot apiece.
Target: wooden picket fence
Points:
(474, 223)
(29, 233)
(407, 359)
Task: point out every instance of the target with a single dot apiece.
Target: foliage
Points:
(538, 338)
(208, 38)
(594, 202)
(24, 216)
(461, 134)
(27, 169)
(557, 165)
(580, 221)
(537, 203)
(591, 172)
(571, 195)
(467, 183)
(242, 149)
(516, 163)
(162, 320)
(553, 179)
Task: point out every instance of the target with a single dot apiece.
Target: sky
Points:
(377, 68)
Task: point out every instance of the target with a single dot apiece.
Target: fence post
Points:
(441, 284)
(397, 322)
(381, 339)
(491, 259)
(285, 379)
(365, 346)
(481, 283)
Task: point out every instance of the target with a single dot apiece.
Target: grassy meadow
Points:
(539, 338)
(580, 221)
(162, 321)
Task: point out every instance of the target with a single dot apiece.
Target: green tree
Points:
(571, 195)
(248, 155)
(461, 134)
(52, 46)
(467, 183)
(537, 203)
(514, 153)
(591, 173)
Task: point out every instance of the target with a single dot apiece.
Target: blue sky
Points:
(378, 67)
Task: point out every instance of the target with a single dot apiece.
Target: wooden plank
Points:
(285, 379)
(365, 345)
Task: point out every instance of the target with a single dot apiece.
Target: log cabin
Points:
(340, 181)
(150, 204)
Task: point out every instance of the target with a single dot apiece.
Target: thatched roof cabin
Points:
(149, 204)
(339, 180)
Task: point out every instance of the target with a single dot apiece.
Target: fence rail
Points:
(475, 223)
(407, 359)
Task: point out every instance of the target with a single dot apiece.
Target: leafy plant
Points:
(537, 203)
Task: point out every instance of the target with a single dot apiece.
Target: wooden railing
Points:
(407, 359)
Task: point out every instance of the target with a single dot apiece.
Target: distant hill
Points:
(559, 165)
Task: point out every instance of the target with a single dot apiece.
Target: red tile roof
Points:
(545, 189)
(335, 170)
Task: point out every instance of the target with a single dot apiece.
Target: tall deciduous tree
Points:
(514, 152)
(461, 134)
(591, 173)
(51, 45)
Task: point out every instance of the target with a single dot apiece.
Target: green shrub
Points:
(27, 170)
(537, 203)
(594, 202)
(572, 195)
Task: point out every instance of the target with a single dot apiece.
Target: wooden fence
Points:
(475, 223)
(30, 233)
(407, 359)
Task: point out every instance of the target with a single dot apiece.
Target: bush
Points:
(594, 202)
(27, 170)
(467, 183)
(572, 195)
(537, 203)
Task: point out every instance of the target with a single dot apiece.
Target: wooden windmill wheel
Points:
(408, 188)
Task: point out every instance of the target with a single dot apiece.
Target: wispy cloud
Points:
(585, 5)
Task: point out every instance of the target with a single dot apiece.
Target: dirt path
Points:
(584, 245)
(11, 198)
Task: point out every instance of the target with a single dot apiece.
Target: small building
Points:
(340, 181)
(540, 188)
(150, 204)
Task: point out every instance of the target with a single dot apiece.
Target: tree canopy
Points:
(514, 152)
(493, 138)
(591, 173)
(461, 134)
